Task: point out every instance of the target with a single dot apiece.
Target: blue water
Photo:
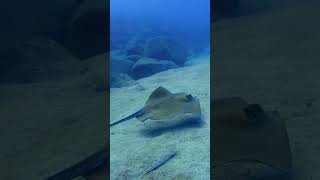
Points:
(187, 22)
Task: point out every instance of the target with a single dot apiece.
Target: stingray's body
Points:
(163, 105)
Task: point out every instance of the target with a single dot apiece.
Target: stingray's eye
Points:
(189, 97)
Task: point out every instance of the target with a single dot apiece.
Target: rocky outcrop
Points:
(119, 64)
(121, 80)
(133, 58)
(135, 46)
(148, 66)
(164, 48)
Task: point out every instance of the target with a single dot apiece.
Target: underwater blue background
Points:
(187, 21)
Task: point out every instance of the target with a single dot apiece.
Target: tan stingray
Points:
(162, 105)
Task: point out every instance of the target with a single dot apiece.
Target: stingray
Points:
(162, 105)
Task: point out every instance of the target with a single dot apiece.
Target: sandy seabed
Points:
(47, 127)
(133, 148)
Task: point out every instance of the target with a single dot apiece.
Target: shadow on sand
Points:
(157, 130)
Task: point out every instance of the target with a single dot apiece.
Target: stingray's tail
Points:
(136, 114)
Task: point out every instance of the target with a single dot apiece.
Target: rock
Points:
(121, 80)
(164, 48)
(120, 64)
(135, 46)
(97, 76)
(133, 58)
(37, 59)
(148, 66)
(118, 53)
(119, 34)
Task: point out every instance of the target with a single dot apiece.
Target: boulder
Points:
(120, 64)
(119, 34)
(135, 46)
(121, 80)
(133, 58)
(164, 48)
(97, 77)
(148, 66)
(118, 52)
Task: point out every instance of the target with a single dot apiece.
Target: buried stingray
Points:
(163, 105)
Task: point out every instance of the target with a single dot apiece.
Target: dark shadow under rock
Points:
(145, 67)
(121, 80)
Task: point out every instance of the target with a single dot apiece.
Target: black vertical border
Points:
(212, 46)
(108, 90)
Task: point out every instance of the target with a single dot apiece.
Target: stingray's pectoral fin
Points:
(134, 115)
